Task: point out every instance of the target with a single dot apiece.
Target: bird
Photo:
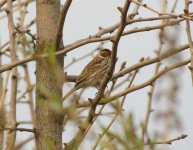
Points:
(93, 72)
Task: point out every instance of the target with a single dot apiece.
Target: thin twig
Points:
(61, 23)
(130, 83)
(79, 43)
(174, 6)
(188, 32)
(181, 137)
(3, 92)
(170, 141)
(146, 6)
(84, 56)
(13, 122)
(145, 62)
(99, 113)
(141, 64)
(159, 13)
(2, 3)
(117, 113)
(137, 87)
(85, 126)
(30, 94)
(115, 42)
(147, 83)
(22, 143)
(17, 129)
(150, 94)
(105, 131)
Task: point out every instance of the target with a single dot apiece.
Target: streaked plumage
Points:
(93, 72)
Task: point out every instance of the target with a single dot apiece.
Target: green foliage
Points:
(125, 137)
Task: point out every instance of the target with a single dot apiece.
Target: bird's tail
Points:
(68, 94)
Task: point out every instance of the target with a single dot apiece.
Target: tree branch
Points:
(147, 83)
(61, 22)
(18, 129)
(170, 141)
(82, 42)
(22, 143)
(137, 87)
(2, 3)
(167, 54)
(188, 32)
(115, 41)
(12, 136)
(181, 137)
(85, 126)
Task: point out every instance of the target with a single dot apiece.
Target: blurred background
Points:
(172, 97)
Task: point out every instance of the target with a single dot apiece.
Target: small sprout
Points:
(149, 93)
(141, 59)
(100, 28)
(152, 110)
(89, 36)
(14, 77)
(120, 9)
(191, 68)
(65, 145)
(7, 11)
(112, 39)
(189, 2)
(90, 100)
(186, 11)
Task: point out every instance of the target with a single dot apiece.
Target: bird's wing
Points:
(89, 69)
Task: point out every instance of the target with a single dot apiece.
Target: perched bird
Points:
(93, 73)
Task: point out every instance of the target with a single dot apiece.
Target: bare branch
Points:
(17, 129)
(137, 87)
(2, 3)
(13, 124)
(181, 137)
(79, 43)
(61, 22)
(169, 53)
(151, 92)
(188, 31)
(146, 6)
(115, 42)
(85, 126)
(159, 13)
(170, 141)
(22, 143)
(147, 83)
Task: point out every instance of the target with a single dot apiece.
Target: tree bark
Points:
(48, 131)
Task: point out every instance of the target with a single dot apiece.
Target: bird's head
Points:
(105, 53)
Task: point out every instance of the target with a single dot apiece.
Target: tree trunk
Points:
(48, 79)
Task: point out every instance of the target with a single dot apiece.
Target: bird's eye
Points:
(105, 53)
